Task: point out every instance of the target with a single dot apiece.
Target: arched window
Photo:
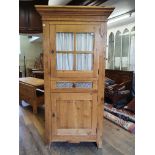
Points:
(117, 55)
(133, 29)
(132, 50)
(111, 51)
(125, 50)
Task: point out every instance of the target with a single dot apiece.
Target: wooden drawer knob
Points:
(52, 51)
(73, 85)
(53, 115)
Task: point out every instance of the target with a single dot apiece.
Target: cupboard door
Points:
(74, 114)
(74, 52)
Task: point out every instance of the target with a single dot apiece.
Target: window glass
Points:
(84, 45)
(64, 61)
(84, 62)
(84, 41)
(64, 41)
(79, 57)
(111, 51)
(125, 50)
(132, 50)
(117, 57)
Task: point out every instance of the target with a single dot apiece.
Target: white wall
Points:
(31, 50)
(120, 28)
(121, 6)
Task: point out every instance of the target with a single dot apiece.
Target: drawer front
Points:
(74, 85)
(63, 84)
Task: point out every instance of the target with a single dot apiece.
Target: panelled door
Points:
(74, 114)
(74, 77)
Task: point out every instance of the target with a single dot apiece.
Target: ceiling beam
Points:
(97, 2)
(41, 2)
(86, 2)
(75, 2)
(36, 2)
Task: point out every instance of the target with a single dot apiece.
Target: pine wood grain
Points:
(27, 91)
(32, 81)
(78, 110)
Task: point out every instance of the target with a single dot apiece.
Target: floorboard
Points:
(116, 141)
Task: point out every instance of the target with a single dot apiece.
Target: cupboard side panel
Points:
(47, 87)
(102, 49)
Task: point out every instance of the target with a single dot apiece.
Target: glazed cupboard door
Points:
(74, 115)
(73, 50)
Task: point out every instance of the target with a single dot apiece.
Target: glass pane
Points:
(111, 51)
(64, 84)
(64, 61)
(125, 43)
(124, 63)
(84, 41)
(84, 62)
(117, 50)
(117, 62)
(132, 50)
(84, 85)
(64, 41)
(125, 49)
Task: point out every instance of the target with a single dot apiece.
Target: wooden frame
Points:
(75, 29)
(74, 19)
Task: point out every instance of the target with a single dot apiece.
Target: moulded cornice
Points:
(46, 10)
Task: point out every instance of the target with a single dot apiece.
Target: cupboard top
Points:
(46, 10)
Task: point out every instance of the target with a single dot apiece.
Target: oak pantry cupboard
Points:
(74, 44)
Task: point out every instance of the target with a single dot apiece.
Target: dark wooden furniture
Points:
(37, 71)
(74, 94)
(122, 79)
(29, 18)
(20, 74)
(38, 74)
(28, 91)
(120, 76)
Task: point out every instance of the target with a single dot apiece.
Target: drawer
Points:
(64, 84)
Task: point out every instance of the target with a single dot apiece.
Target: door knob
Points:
(74, 85)
(52, 51)
(53, 115)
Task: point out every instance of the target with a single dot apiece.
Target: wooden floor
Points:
(116, 141)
